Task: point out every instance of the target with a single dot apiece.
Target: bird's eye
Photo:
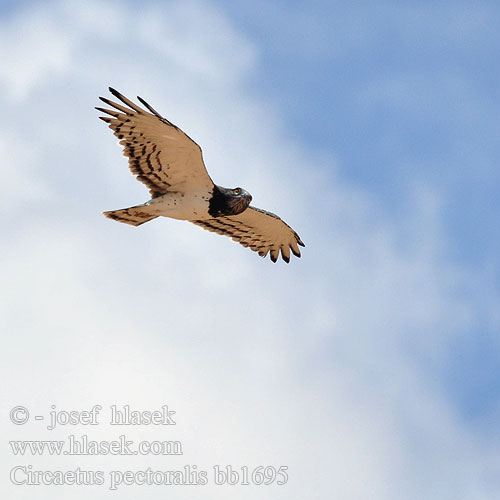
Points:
(236, 191)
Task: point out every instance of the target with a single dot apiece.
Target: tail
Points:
(135, 216)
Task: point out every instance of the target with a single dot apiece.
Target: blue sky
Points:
(371, 128)
(414, 85)
(398, 91)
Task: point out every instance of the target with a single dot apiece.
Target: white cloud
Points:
(33, 50)
(309, 365)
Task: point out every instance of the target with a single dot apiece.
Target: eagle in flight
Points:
(171, 165)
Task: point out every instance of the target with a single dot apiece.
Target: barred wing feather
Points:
(261, 231)
(160, 154)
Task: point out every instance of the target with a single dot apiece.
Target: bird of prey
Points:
(171, 165)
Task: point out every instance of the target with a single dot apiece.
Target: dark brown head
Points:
(226, 201)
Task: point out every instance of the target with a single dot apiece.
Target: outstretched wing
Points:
(262, 231)
(160, 154)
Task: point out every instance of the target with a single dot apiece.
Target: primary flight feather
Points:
(171, 165)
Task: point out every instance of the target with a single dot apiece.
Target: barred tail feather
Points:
(135, 216)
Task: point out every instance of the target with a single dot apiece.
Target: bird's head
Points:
(238, 200)
(227, 201)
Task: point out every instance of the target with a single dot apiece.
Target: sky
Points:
(369, 368)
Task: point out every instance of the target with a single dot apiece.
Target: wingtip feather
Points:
(108, 111)
(126, 101)
(149, 107)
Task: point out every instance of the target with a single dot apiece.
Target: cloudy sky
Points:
(370, 367)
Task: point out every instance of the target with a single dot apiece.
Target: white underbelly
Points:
(192, 206)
